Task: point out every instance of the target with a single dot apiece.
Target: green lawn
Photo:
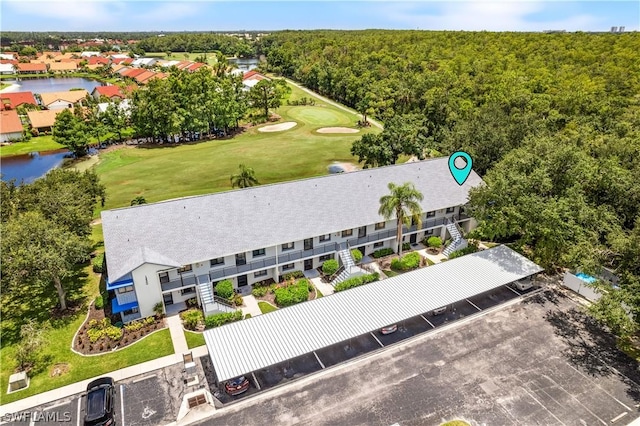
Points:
(160, 173)
(3, 85)
(318, 293)
(194, 339)
(183, 56)
(389, 273)
(40, 143)
(266, 307)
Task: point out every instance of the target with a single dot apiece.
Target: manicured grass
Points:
(164, 172)
(194, 339)
(37, 144)
(3, 85)
(389, 273)
(183, 56)
(456, 423)
(266, 307)
(429, 261)
(58, 350)
(318, 293)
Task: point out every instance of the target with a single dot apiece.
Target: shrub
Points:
(462, 252)
(329, 267)
(192, 318)
(357, 255)
(133, 326)
(292, 294)
(220, 319)
(98, 263)
(407, 262)
(406, 246)
(237, 300)
(382, 252)
(193, 302)
(224, 289)
(149, 320)
(356, 281)
(259, 291)
(291, 275)
(113, 332)
(99, 303)
(158, 308)
(434, 242)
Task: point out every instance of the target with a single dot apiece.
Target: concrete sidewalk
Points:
(250, 306)
(325, 289)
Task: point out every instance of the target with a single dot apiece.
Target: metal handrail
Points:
(336, 274)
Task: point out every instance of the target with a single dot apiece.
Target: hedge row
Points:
(382, 252)
(356, 281)
(293, 274)
(462, 252)
(294, 293)
(220, 319)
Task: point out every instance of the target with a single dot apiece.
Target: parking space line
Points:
(79, 404)
(572, 396)
(144, 378)
(473, 304)
(513, 290)
(55, 406)
(432, 326)
(122, 403)
(542, 405)
(598, 385)
(615, 419)
(379, 342)
(319, 362)
(256, 381)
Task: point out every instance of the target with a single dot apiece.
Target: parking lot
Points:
(540, 361)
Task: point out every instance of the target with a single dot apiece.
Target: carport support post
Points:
(255, 380)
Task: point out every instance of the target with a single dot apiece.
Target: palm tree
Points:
(245, 178)
(138, 201)
(403, 202)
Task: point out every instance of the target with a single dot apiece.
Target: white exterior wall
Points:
(8, 137)
(60, 104)
(147, 287)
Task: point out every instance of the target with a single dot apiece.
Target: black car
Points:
(100, 402)
(237, 386)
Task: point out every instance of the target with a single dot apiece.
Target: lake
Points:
(245, 64)
(30, 167)
(46, 85)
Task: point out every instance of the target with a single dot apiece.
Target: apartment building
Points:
(171, 251)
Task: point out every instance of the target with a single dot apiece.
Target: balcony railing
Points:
(183, 281)
(286, 257)
(124, 298)
(389, 233)
(131, 317)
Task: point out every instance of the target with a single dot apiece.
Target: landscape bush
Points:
(382, 252)
(98, 263)
(98, 329)
(407, 262)
(291, 275)
(224, 289)
(259, 291)
(237, 300)
(406, 246)
(99, 303)
(329, 267)
(357, 255)
(292, 294)
(464, 251)
(220, 319)
(434, 242)
(192, 318)
(356, 281)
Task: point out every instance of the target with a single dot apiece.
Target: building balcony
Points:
(125, 298)
(131, 317)
(182, 281)
(122, 282)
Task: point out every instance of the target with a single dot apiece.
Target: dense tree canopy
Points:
(198, 42)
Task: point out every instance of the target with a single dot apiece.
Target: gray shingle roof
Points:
(306, 327)
(194, 229)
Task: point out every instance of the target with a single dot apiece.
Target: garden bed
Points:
(270, 291)
(129, 334)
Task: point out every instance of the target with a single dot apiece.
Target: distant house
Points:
(42, 121)
(124, 106)
(61, 100)
(144, 62)
(15, 99)
(89, 54)
(107, 91)
(251, 78)
(48, 56)
(8, 56)
(123, 61)
(7, 69)
(63, 67)
(98, 60)
(143, 77)
(31, 68)
(133, 72)
(194, 66)
(10, 126)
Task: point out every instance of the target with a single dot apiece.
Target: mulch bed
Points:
(83, 345)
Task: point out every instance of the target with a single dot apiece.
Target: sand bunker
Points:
(278, 127)
(337, 130)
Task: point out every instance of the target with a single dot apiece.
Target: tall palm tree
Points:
(403, 203)
(245, 178)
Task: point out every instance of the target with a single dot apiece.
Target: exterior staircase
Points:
(457, 242)
(349, 267)
(210, 303)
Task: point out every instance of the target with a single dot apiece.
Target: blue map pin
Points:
(460, 175)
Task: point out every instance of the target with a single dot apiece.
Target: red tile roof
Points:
(10, 122)
(98, 60)
(195, 66)
(31, 67)
(8, 61)
(15, 99)
(249, 74)
(143, 77)
(109, 91)
(133, 72)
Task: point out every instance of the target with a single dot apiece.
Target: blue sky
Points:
(515, 15)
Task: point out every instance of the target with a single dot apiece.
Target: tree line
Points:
(552, 122)
(198, 42)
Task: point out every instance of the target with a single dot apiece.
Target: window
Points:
(347, 233)
(187, 290)
(126, 289)
(451, 209)
(378, 244)
(259, 252)
(218, 261)
(362, 232)
(428, 232)
(326, 257)
(308, 244)
(130, 311)
(324, 238)
(431, 214)
(288, 246)
(380, 225)
(241, 259)
(260, 273)
(185, 268)
(288, 266)
(164, 277)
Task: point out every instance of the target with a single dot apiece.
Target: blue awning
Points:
(125, 281)
(116, 308)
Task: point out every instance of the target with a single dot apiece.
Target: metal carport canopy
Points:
(258, 342)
